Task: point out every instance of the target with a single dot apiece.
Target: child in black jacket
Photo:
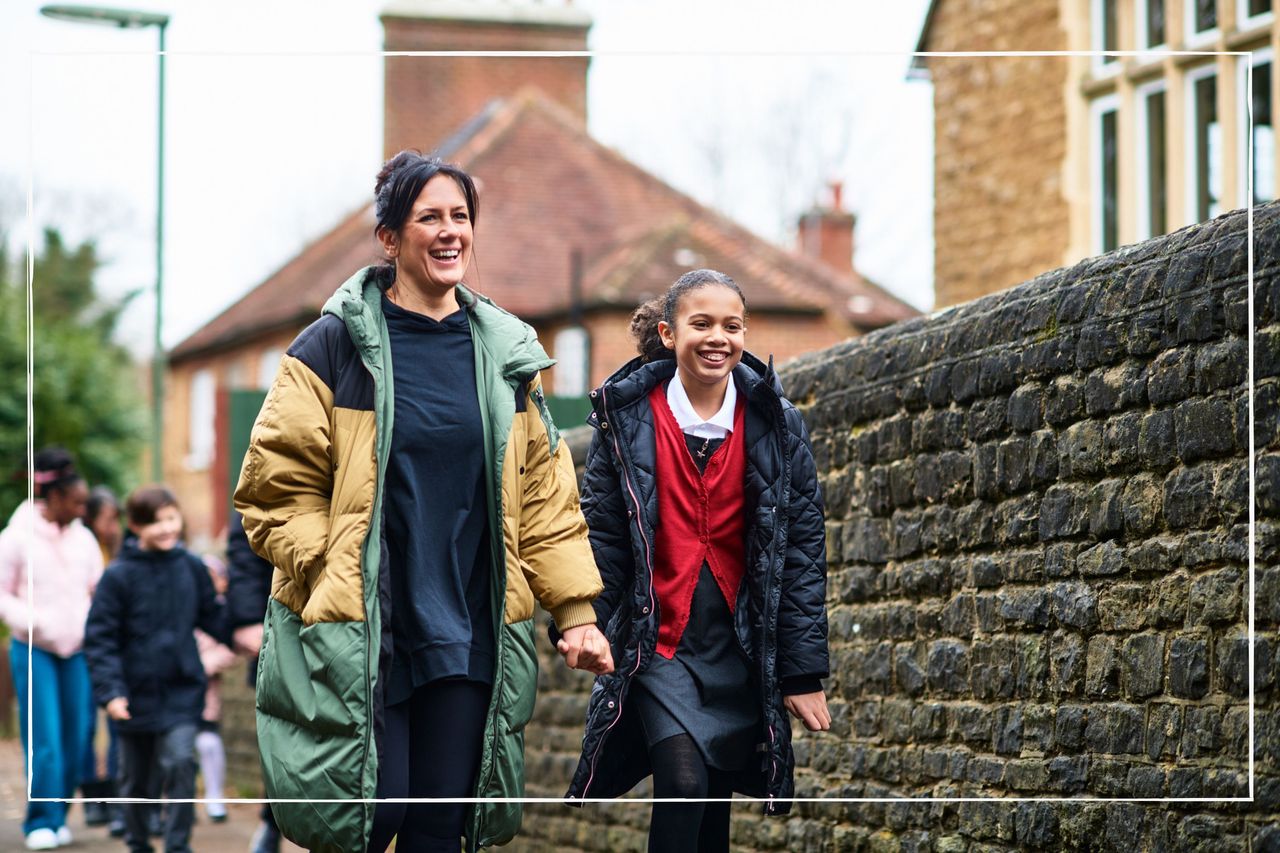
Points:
(144, 663)
(706, 521)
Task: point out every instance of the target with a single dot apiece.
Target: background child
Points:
(102, 517)
(717, 611)
(146, 671)
(214, 657)
(49, 626)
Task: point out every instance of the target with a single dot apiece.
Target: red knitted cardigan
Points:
(700, 517)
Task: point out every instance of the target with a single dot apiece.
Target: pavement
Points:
(232, 836)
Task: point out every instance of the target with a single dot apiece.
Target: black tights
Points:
(679, 771)
(431, 748)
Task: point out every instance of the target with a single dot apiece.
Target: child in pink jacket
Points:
(45, 602)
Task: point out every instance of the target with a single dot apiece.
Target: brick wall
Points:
(1000, 132)
(1037, 517)
(429, 97)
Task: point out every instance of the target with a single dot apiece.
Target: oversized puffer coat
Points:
(311, 493)
(780, 615)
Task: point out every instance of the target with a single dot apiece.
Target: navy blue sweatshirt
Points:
(437, 522)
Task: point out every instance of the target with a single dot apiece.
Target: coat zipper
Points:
(648, 555)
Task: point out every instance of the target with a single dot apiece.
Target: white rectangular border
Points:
(899, 800)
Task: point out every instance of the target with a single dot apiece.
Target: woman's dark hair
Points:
(99, 497)
(400, 182)
(644, 322)
(54, 470)
(143, 503)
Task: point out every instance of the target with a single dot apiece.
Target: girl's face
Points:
(161, 534)
(707, 336)
(66, 505)
(432, 250)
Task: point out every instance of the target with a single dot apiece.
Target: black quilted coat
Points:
(780, 614)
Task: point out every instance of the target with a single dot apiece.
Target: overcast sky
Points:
(274, 128)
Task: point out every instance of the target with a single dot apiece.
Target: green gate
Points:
(243, 406)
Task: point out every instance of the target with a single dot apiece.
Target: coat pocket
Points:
(519, 675)
(311, 676)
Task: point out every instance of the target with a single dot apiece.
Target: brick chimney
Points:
(428, 98)
(826, 233)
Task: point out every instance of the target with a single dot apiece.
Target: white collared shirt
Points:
(718, 425)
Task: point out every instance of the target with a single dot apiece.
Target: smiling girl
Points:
(702, 500)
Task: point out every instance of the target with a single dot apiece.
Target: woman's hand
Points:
(118, 708)
(247, 639)
(584, 647)
(810, 709)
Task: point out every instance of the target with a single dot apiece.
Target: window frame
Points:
(1140, 27)
(202, 426)
(1244, 70)
(268, 366)
(1098, 108)
(1245, 21)
(1102, 65)
(1143, 165)
(1193, 77)
(1190, 37)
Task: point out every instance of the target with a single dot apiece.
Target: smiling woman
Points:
(413, 495)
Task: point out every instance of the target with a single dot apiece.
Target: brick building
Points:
(1042, 161)
(570, 235)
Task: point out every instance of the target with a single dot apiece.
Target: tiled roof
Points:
(547, 189)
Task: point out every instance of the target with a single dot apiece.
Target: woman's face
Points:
(432, 250)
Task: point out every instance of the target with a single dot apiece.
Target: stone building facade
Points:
(1041, 161)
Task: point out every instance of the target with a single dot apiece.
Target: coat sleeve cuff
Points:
(798, 685)
(571, 614)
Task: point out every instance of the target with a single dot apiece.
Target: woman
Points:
(47, 623)
(406, 481)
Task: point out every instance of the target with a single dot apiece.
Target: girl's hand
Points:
(584, 647)
(810, 709)
(118, 708)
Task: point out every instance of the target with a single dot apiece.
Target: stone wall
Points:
(1038, 540)
(1037, 515)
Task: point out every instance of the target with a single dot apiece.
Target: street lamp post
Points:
(133, 19)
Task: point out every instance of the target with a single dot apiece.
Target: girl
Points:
(47, 627)
(702, 500)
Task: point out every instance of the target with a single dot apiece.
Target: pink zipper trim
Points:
(648, 563)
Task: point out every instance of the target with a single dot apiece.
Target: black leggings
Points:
(679, 771)
(430, 748)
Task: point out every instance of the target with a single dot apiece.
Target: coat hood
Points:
(28, 516)
(634, 380)
(509, 341)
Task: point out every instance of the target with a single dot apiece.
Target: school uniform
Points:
(685, 674)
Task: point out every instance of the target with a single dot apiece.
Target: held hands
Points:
(810, 709)
(247, 640)
(584, 647)
(118, 708)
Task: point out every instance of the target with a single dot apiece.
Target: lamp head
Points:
(130, 19)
